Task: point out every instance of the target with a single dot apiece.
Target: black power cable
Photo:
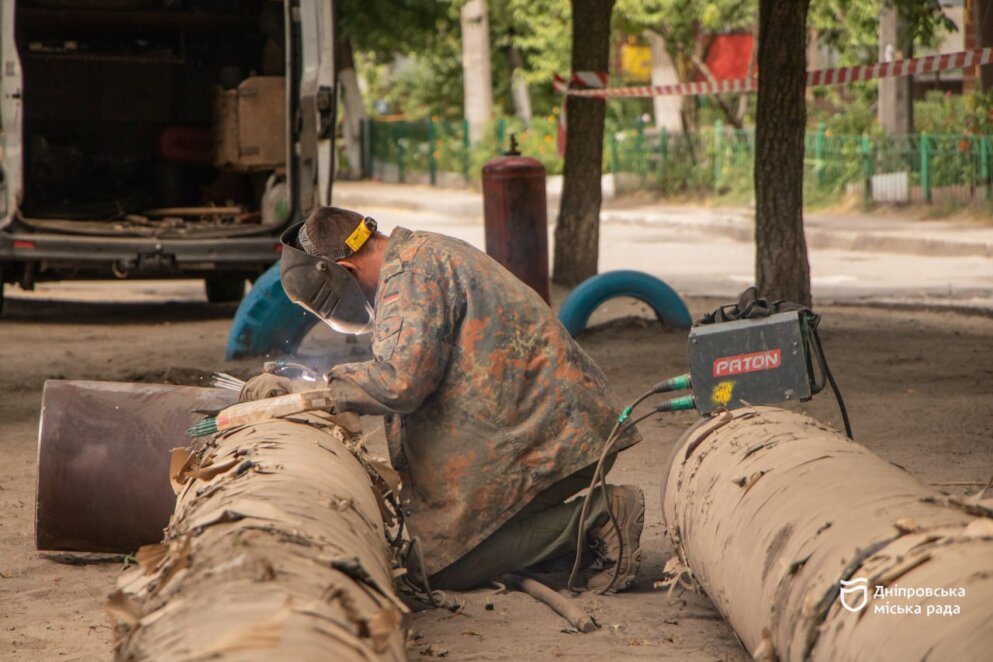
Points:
(622, 425)
(818, 351)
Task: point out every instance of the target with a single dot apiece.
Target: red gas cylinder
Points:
(516, 218)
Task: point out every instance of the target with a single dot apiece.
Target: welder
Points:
(494, 415)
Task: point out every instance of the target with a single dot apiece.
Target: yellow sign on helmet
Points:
(360, 235)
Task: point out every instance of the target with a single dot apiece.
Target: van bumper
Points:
(141, 254)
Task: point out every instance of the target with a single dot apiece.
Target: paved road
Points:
(700, 251)
(702, 262)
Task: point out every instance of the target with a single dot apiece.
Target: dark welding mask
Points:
(319, 284)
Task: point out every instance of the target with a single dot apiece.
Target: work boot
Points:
(628, 505)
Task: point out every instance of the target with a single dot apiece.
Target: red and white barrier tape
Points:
(580, 79)
(841, 76)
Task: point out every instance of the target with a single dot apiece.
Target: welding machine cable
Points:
(826, 371)
(599, 476)
(598, 479)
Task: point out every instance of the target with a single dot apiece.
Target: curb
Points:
(881, 243)
(742, 229)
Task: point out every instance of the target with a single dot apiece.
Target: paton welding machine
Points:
(756, 352)
(758, 361)
(752, 352)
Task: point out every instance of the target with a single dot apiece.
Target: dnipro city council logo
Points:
(854, 594)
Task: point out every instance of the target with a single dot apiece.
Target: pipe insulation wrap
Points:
(769, 510)
(275, 550)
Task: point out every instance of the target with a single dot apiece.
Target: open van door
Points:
(310, 28)
(10, 118)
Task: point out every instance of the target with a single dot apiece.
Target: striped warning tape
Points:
(839, 76)
(580, 79)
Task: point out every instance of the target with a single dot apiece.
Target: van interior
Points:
(131, 112)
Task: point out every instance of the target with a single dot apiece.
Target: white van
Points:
(160, 138)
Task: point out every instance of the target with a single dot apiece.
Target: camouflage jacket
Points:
(487, 397)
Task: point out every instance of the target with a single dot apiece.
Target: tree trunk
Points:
(750, 73)
(577, 232)
(667, 115)
(896, 95)
(690, 105)
(781, 267)
(813, 62)
(983, 13)
(477, 79)
(355, 115)
(519, 87)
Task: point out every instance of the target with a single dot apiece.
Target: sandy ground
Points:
(919, 387)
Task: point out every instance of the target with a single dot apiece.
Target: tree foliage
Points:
(426, 84)
(408, 52)
(428, 80)
(382, 28)
(851, 27)
(682, 23)
(540, 30)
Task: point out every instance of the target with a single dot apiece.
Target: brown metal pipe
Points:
(275, 551)
(103, 459)
(770, 511)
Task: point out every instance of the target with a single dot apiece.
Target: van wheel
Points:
(224, 288)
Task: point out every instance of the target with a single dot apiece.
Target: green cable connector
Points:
(625, 415)
(675, 384)
(677, 404)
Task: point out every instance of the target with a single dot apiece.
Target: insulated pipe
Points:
(275, 551)
(770, 511)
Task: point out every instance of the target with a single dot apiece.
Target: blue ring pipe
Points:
(267, 322)
(587, 297)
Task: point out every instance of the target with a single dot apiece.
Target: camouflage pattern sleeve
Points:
(411, 345)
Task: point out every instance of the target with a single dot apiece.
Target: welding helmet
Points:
(319, 284)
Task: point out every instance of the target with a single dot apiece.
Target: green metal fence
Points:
(913, 168)
(405, 151)
(438, 151)
(716, 160)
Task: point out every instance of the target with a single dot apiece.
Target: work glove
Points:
(267, 385)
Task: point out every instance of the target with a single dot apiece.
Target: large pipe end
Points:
(103, 460)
